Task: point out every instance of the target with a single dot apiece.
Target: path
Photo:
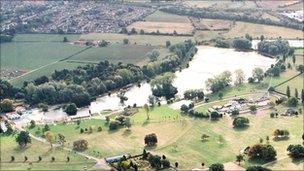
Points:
(101, 164)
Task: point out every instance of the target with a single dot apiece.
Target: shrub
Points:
(240, 122)
(292, 102)
(296, 151)
(151, 139)
(80, 145)
(114, 125)
(71, 109)
(216, 167)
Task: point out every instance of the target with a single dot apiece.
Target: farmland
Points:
(164, 23)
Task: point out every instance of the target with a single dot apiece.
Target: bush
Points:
(114, 125)
(80, 145)
(165, 163)
(257, 168)
(6, 105)
(71, 109)
(215, 115)
(151, 139)
(240, 122)
(216, 167)
(292, 102)
(296, 151)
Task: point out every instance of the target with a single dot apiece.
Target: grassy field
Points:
(218, 4)
(256, 30)
(40, 54)
(135, 39)
(10, 148)
(31, 55)
(159, 16)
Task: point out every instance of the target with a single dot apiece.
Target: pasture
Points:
(160, 16)
(135, 39)
(10, 148)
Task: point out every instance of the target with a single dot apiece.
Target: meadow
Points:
(135, 39)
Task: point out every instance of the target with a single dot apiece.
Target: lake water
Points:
(208, 61)
(292, 43)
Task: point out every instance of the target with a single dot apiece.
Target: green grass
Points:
(135, 39)
(10, 148)
(45, 37)
(29, 56)
(135, 54)
(159, 16)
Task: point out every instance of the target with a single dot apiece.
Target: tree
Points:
(204, 137)
(220, 95)
(128, 123)
(50, 137)
(153, 55)
(292, 102)
(125, 41)
(32, 124)
(6, 105)
(219, 82)
(61, 139)
(151, 139)
(168, 43)
(257, 168)
(302, 95)
(240, 122)
(152, 100)
(253, 108)
(262, 37)
(262, 152)
(46, 128)
(288, 91)
(293, 59)
(65, 39)
(296, 151)
(241, 43)
(240, 158)
(239, 77)
(146, 108)
(71, 109)
(216, 167)
(258, 74)
(281, 134)
(23, 138)
(162, 86)
(80, 145)
(296, 93)
(247, 36)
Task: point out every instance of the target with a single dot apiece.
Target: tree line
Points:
(245, 17)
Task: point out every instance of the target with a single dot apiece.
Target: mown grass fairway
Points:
(10, 148)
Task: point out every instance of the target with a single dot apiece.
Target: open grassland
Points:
(10, 148)
(135, 39)
(256, 30)
(214, 24)
(44, 37)
(159, 16)
(117, 53)
(162, 27)
(31, 55)
(46, 70)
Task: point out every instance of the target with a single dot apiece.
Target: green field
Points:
(42, 54)
(159, 16)
(10, 148)
(135, 54)
(135, 39)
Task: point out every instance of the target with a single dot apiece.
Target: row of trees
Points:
(225, 15)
